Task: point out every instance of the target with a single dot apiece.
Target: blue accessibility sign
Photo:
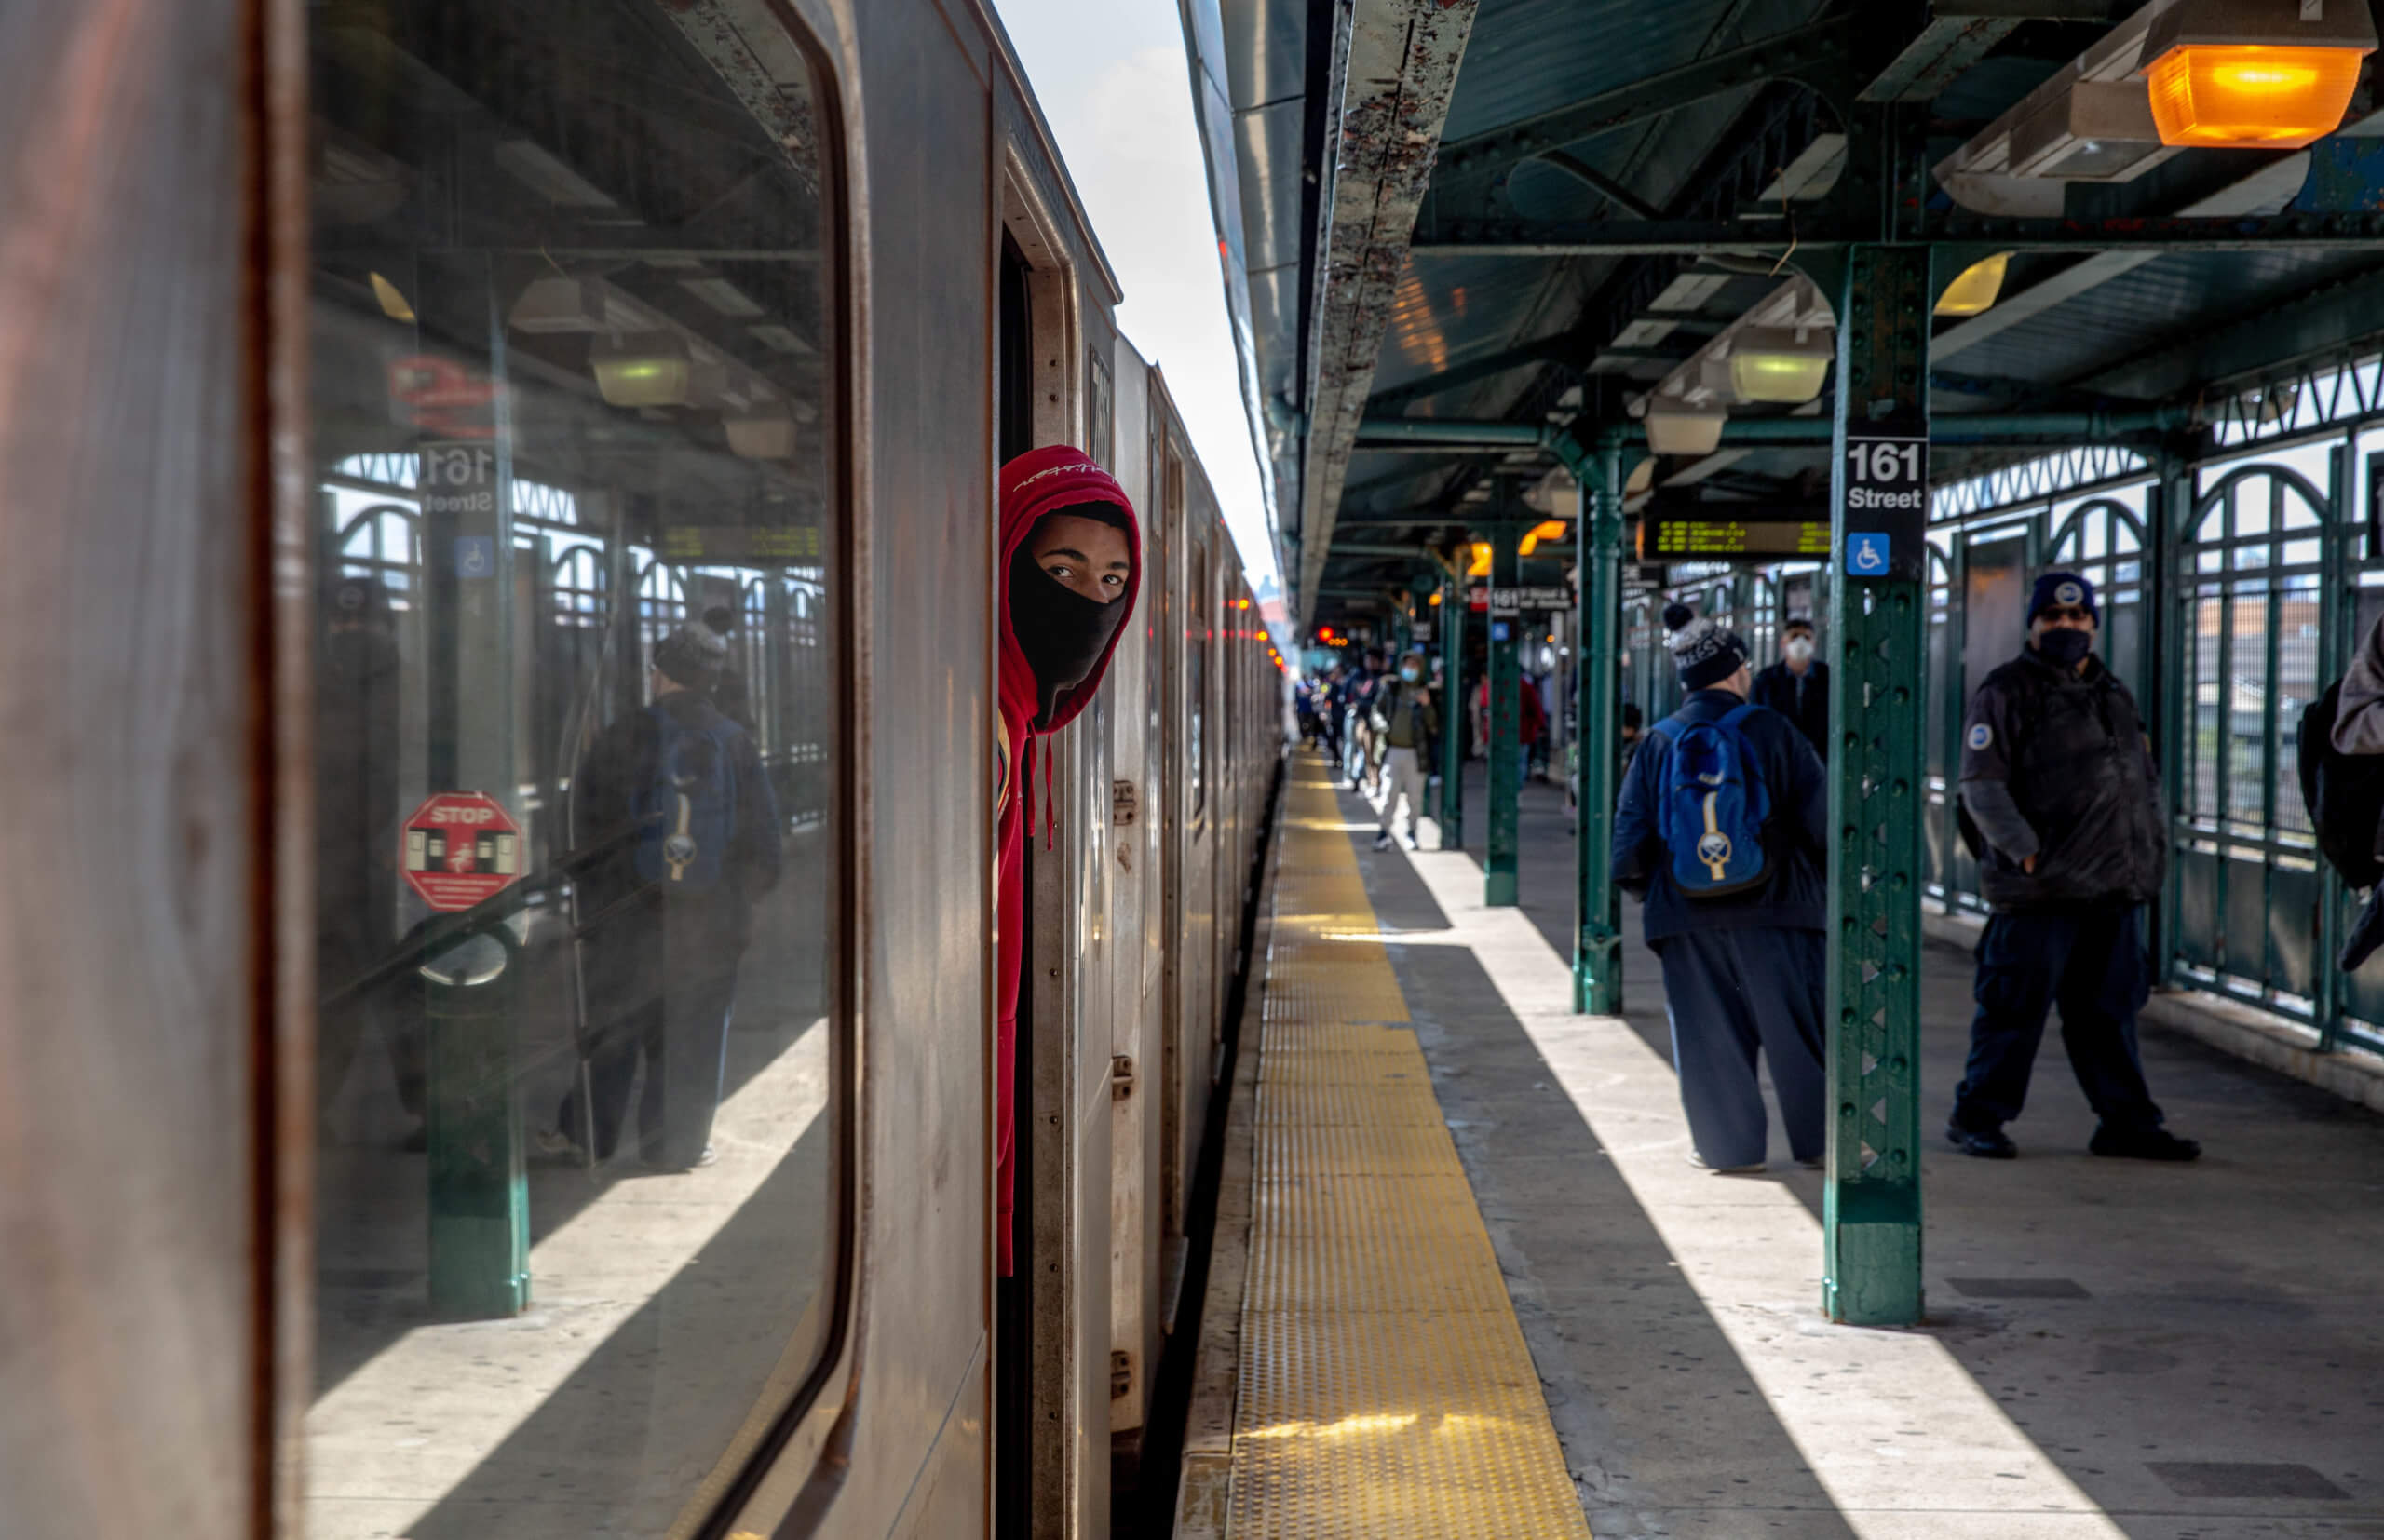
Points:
(1867, 555)
(475, 555)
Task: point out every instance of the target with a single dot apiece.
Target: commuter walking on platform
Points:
(678, 790)
(1797, 686)
(1071, 567)
(1722, 832)
(2061, 804)
(1406, 720)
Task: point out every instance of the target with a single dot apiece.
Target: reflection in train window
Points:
(578, 689)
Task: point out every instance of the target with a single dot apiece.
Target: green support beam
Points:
(1452, 704)
(1597, 939)
(1498, 879)
(1870, 1200)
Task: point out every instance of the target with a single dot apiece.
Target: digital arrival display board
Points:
(1721, 532)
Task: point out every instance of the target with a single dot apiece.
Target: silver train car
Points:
(391, 391)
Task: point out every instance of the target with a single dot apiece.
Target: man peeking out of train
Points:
(677, 821)
(1071, 566)
(1723, 831)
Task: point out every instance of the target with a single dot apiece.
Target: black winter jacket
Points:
(2071, 749)
(1776, 687)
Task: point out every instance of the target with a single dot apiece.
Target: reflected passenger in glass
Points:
(356, 844)
(676, 797)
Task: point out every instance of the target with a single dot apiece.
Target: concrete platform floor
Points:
(2113, 1348)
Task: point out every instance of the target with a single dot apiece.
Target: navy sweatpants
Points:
(1728, 993)
(2091, 963)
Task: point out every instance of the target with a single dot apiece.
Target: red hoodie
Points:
(1037, 482)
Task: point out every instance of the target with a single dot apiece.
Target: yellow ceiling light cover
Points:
(2274, 97)
(392, 300)
(1554, 529)
(1976, 288)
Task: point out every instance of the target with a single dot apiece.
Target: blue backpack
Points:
(1715, 807)
(686, 813)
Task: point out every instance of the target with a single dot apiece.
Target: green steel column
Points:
(480, 1221)
(1499, 884)
(1452, 703)
(2337, 605)
(1871, 1203)
(1597, 940)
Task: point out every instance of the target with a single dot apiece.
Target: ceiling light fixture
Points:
(1976, 288)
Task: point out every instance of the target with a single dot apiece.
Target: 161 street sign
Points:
(1885, 489)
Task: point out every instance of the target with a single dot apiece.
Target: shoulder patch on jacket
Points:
(1980, 734)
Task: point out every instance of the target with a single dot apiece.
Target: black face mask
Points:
(1061, 632)
(2067, 647)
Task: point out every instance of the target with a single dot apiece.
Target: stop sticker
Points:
(461, 848)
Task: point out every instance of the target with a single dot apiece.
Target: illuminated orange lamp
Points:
(1554, 529)
(1436, 597)
(2278, 98)
(1481, 564)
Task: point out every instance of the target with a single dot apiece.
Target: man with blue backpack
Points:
(677, 791)
(1723, 833)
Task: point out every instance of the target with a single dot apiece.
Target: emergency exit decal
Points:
(461, 848)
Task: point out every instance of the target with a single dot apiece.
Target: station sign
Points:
(1514, 601)
(1884, 482)
(460, 849)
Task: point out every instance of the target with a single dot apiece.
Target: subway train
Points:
(501, 664)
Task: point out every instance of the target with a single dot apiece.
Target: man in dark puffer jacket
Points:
(2059, 786)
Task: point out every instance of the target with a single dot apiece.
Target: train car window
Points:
(1101, 436)
(579, 859)
(1202, 625)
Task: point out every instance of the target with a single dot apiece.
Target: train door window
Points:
(1199, 623)
(1015, 381)
(580, 867)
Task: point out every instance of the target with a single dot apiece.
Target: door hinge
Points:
(1121, 1078)
(1124, 802)
(1121, 1374)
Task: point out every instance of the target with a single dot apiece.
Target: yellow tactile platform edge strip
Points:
(1385, 1389)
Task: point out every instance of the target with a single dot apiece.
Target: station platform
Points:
(2112, 1349)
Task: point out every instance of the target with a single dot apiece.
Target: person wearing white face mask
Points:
(1797, 686)
(1406, 720)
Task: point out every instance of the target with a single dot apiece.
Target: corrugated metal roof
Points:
(2159, 301)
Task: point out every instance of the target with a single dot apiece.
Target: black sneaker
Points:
(1382, 841)
(2143, 1144)
(1986, 1143)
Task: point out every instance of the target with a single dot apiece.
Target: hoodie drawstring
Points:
(1050, 807)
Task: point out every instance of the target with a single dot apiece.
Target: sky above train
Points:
(1114, 85)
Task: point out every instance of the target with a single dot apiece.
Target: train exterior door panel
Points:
(139, 971)
(1133, 1230)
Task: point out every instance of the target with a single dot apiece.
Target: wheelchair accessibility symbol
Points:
(1867, 555)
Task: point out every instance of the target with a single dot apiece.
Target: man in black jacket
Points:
(1797, 686)
(2059, 785)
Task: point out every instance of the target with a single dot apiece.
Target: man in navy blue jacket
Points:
(1743, 970)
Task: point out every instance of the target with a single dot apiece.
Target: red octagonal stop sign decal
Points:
(461, 848)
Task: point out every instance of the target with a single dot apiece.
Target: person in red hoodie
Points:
(1071, 567)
